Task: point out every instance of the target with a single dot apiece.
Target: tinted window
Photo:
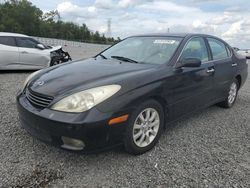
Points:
(9, 41)
(218, 48)
(195, 48)
(26, 42)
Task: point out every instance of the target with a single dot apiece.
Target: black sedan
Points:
(130, 92)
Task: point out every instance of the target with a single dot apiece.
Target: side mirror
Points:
(40, 46)
(189, 62)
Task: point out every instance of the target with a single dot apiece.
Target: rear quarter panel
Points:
(242, 67)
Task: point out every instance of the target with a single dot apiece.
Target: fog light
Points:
(72, 143)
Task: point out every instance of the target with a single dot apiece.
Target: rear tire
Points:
(232, 95)
(145, 127)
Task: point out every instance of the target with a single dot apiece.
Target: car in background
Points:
(245, 53)
(21, 52)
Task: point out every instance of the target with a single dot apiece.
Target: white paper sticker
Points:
(164, 41)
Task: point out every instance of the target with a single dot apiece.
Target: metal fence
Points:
(60, 42)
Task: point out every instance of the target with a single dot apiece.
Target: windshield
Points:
(150, 50)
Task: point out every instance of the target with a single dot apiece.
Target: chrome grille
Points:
(37, 99)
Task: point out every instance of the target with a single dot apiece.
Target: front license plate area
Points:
(36, 132)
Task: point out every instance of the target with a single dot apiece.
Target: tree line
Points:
(21, 16)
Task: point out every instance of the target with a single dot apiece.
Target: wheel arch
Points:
(164, 105)
(238, 77)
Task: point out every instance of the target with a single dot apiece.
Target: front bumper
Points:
(59, 56)
(90, 127)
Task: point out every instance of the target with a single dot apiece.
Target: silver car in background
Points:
(243, 52)
(21, 52)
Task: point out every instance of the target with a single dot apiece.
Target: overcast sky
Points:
(223, 18)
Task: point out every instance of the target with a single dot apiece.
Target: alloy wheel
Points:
(232, 93)
(146, 127)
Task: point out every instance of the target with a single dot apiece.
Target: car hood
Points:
(77, 76)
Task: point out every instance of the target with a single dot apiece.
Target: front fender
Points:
(130, 100)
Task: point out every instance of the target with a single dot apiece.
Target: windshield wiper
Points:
(124, 59)
(102, 56)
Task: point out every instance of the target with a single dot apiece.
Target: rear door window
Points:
(218, 48)
(8, 41)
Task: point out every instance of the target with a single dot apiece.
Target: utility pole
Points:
(109, 34)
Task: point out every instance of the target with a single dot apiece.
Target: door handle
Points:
(24, 52)
(210, 70)
(234, 64)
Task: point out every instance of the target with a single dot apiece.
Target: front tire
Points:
(232, 95)
(145, 127)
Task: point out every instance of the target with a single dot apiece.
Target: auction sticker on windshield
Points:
(164, 41)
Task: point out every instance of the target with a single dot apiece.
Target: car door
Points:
(225, 67)
(192, 87)
(30, 55)
(8, 52)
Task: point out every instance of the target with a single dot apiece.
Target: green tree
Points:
(20, 16)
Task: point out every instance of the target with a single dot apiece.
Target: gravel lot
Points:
(208, 149)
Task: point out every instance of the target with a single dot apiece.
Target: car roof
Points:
(6, 34)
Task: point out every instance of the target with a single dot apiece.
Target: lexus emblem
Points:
(39, 83)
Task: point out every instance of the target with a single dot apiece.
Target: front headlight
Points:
(85, 100)
(29, 78)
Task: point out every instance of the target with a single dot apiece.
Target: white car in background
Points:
(21, 52)
(244, 53)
